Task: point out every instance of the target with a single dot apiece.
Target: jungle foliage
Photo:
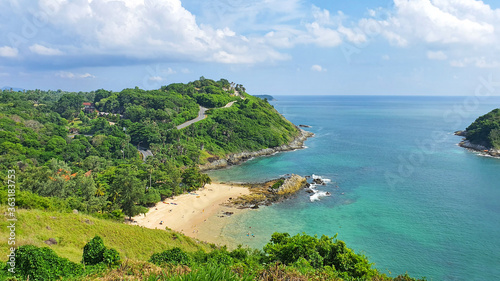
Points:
(486, 130)
(70, 155)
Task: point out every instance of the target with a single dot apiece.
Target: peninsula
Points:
(483, 135)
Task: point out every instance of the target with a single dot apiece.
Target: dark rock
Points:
(254, 207)
(51, 241)
(318, 181)
(304, 126)
(228, 213)
(309, 191)
(48, 227)
(461, 133)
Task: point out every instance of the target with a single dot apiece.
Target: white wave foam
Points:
(316, 177)
(318, 195)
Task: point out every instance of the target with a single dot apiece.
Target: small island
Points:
(483, 135)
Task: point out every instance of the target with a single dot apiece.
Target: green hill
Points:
(81, 149)
(485, 130)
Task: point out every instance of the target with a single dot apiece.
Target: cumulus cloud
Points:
(318, 68)
(44, 51)
(442, 22)
(135, 29)
(8, 52)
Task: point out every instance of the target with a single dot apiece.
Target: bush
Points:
(173, 256)
(278, 184)
(318, 253)
(111, 257)
(93, 251)
(43, 264)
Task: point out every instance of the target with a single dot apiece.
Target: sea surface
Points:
(403, 193)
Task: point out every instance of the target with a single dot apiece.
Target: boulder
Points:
(51, 241)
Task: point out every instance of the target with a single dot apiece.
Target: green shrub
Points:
(278, 184)
(93, 251)
(220, 256)
(173, 256)
(318, 253)
(111, 257)
(43, 264)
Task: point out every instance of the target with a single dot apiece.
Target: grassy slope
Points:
(73, 231)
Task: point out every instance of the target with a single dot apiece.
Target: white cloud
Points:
(318, 68)
(71, 75)
(439, 55)
(136, 30)
(44, 51)
(156, 78)
(386, 57)
(441, 22)
(8, 52)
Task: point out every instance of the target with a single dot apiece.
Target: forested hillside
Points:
(485, 130)
(80, 150)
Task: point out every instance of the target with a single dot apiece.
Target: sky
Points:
(277, 47)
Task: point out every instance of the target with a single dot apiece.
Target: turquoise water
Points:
(403, 193)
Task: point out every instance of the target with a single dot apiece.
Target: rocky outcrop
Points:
(480, 148)
(292, 185)
(264, 195)
(238, 158)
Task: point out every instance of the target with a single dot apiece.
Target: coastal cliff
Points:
(238, 158)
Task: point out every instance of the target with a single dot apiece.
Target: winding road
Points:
(201, 116)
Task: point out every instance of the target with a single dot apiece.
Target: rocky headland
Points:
(270, 192)
(477, 147)
(238, 158)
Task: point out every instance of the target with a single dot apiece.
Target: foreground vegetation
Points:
(485, 130)
(95, 249)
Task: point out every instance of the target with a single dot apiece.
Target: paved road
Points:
(201, 116)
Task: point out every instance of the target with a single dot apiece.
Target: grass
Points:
(73, 231)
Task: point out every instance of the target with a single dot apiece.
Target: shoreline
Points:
(196, 214)
(239, 158)
(482, 150)
(203, 214)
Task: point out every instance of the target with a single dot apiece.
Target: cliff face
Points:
(238, 158)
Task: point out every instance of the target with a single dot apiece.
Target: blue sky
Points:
(378, 47)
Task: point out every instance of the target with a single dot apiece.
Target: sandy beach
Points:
(195, 214)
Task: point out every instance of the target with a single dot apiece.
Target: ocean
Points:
(402, 192)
